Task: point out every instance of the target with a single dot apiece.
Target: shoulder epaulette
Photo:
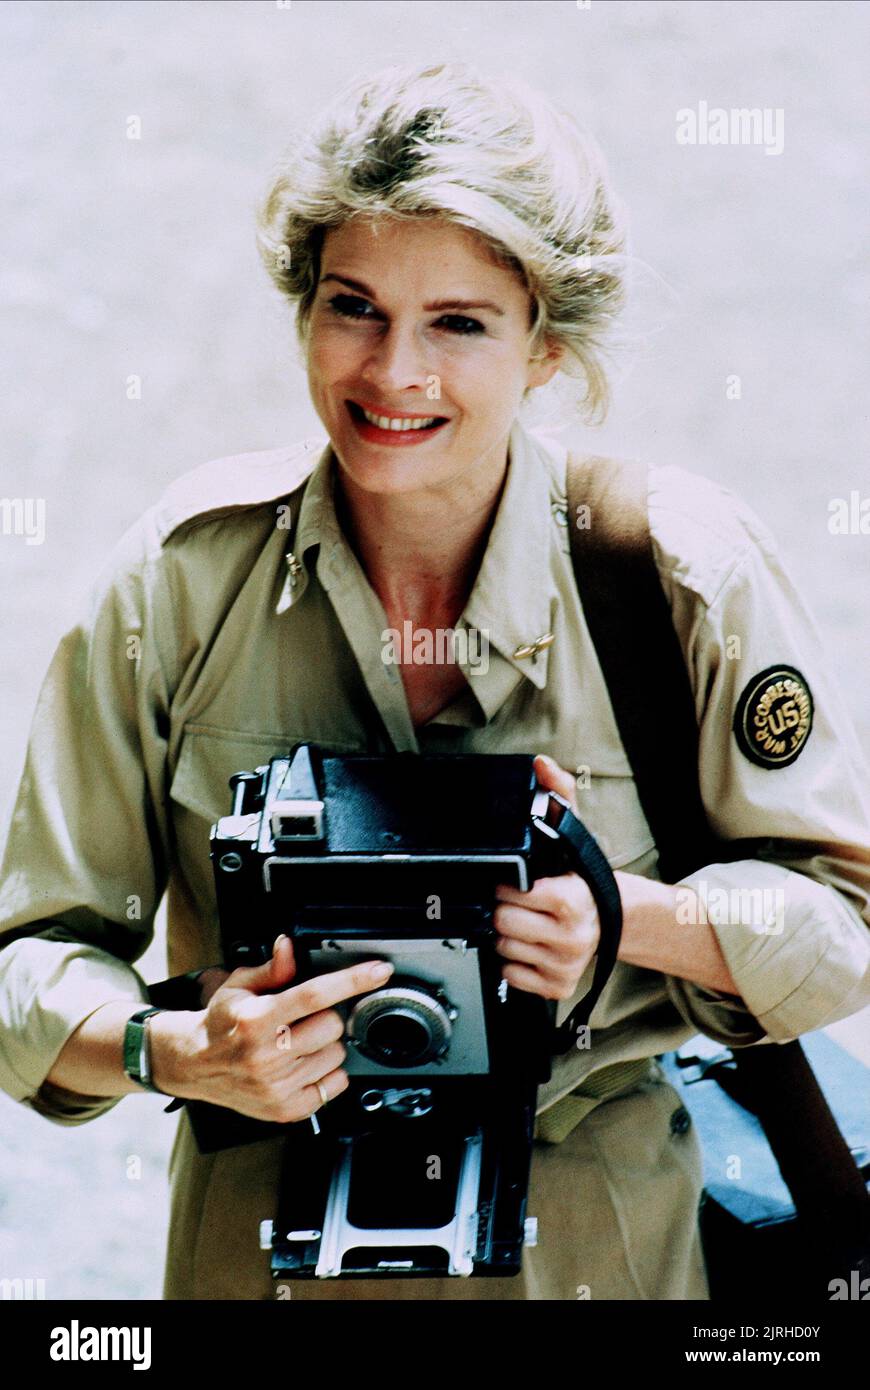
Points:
(235, 483)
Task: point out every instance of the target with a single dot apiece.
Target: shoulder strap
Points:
(630, 622)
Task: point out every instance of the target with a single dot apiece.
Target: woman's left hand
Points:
(551, 933)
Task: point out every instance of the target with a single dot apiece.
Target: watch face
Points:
(136, 1052)
(133, 1049)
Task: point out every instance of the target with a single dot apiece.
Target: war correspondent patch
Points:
(774, 716)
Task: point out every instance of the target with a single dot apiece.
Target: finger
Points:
(554, 778)
(333, 1084)
(325, 990)
(562, 896)
(310, 1069)
(273, 974)
(313, 1033)
(538, 956)
(525, 977)
(524, 924)
(539, 928)
(534, 898)
(566, 896)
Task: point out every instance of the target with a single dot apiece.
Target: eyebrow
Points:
(438, 304)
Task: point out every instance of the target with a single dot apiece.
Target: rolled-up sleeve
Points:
(84, 859)
(792, 921)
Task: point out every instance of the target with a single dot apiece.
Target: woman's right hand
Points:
(262, 1054)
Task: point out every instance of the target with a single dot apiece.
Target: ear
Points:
(544, 365)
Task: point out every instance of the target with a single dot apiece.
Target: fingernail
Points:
(381, 971)
(278, 940)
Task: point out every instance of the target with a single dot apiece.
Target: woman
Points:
(450, 243)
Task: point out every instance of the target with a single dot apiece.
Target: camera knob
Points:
(239, 785)
(530, 1230)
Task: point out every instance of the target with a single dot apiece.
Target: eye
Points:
(350, 306)
(465, 327)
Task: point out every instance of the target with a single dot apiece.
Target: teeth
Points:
(383, 422)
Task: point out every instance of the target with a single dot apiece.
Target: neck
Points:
(421, 550)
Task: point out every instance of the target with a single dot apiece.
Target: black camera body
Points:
(421, 1166)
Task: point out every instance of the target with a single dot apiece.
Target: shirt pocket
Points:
(210, 756)
(200, 795)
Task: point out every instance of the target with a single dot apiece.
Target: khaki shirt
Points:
(234, 620)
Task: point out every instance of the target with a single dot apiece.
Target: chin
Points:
(382, 476)
(376, 469)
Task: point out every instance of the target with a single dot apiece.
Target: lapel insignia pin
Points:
(532, 648)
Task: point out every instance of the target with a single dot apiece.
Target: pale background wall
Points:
(128, 257)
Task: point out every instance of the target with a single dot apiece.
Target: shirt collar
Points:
(512, 601)
(316, 527)
(513, 597)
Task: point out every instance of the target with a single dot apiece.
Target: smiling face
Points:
(415, 322)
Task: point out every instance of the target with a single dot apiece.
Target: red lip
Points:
(394, 439)
(397, 414)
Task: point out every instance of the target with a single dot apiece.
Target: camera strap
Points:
(630, 622)
(586, 858)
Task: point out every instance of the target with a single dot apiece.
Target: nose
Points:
(397, 362)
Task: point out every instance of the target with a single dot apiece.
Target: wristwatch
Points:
(179, 992)
(137, 1050)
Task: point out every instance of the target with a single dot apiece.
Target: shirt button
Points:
(681, 1121)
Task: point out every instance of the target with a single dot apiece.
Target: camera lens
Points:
(404, 1025)
(399, 1036)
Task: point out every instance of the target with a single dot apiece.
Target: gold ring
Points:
(322, 1089)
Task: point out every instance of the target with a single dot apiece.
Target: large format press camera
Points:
(421, 1166)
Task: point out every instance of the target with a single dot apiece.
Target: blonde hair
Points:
(490, 154)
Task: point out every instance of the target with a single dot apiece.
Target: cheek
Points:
(492, 377)
(331, 356)
(489, 406)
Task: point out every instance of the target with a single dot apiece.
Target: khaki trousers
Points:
(616, 1203)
